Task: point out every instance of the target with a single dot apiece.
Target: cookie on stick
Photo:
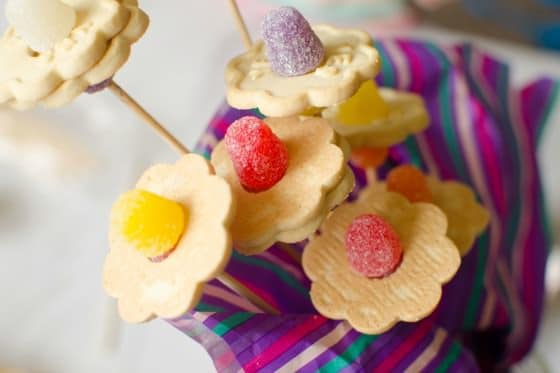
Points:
(54, 51)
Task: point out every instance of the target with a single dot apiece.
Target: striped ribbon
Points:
(483, 133)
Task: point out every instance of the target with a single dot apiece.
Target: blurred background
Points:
(61, 170)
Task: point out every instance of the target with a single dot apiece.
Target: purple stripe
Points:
(332, 353)
(415, 353)
(301, 345)
(262, 342)
(387, 343)
(528, 282)
(216, 319)
(214, 345)
(250, 331)
(281, 254)
(285, 296)
(441, 354)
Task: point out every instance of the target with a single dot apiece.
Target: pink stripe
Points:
(405, 347)
(491, 161)
(415, 67)
(224, 360)
(284, 343)
(472, 158)
(522, 237)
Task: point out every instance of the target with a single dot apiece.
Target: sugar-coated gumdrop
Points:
(364, 107)
(410, 182)
(259, 157)
(312, 112)
(153, 225)
(369, 157)
(41, 23)
(372, 246)
(292, 47)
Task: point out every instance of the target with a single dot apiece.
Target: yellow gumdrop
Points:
(152, 224)
(364, 107)
(312, 111)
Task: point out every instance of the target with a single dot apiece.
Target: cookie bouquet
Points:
(354, 206)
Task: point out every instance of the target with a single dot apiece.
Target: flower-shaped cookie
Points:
(317, 179)
(94, 51)
(466, 217)
(169, 288)
(350, 59)
(406, 115)
(410, 293)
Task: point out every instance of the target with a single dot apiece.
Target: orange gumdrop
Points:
(410, 182)
(369, 157)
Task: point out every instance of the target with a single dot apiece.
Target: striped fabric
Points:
(484, 134)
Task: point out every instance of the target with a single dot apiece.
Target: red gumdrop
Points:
(259, 157)
(372, 246)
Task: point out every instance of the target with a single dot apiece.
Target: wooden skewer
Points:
(148, 118)
(371, 176)
(239, 288)
(241, 25)
(112, 328)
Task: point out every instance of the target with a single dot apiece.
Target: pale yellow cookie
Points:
(170, 288)
(317, 179)
(467, 218)
(350, 59)
(412, 292)
(94, 51)
(407, 115)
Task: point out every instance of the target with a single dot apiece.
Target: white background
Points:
(52, 230)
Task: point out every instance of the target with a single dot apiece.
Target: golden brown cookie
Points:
(317, 179)
(467, 218)
(146, 289)
(412, 292)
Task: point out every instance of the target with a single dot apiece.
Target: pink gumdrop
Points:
(373, 247)
(259, 158)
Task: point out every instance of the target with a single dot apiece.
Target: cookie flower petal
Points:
(406, 115)
(467, 218)
(317, 179)
(350, 59)
(169, 288)
(94, 51)
(410, 293)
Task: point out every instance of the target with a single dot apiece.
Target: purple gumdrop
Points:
(292, 47)
(99, 86)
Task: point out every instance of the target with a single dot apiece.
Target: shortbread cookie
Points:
(95, 50)
(317, 179)
(169, 285)
(350, 59)
(466, 216)
(410, 293)
(405, 114)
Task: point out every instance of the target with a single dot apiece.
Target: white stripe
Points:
(316, 349)
(401, 65)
